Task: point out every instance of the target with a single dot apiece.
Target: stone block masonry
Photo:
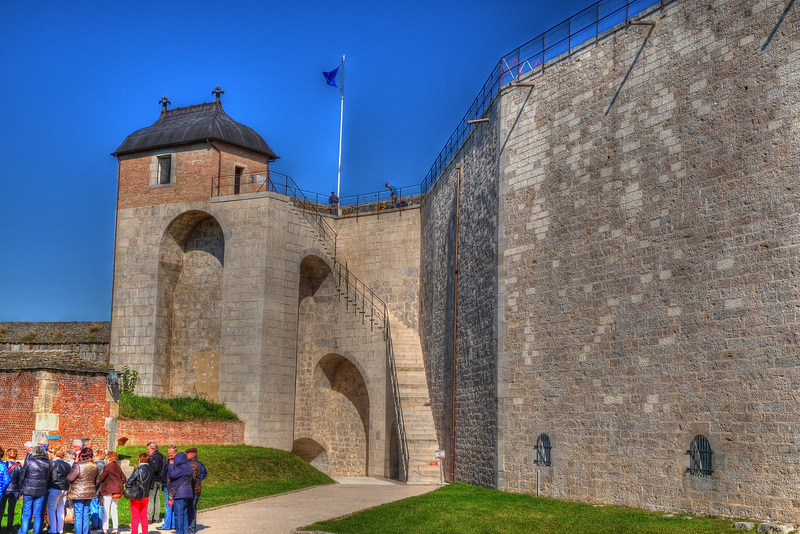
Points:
(643, 244)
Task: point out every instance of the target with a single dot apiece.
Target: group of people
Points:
(73, 483)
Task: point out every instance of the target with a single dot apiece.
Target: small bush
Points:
(3, 330)
(57, 336)
(30, 337)
(177, 409)
(127, 380)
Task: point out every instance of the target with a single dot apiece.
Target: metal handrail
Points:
(364, 301)
(575, 33)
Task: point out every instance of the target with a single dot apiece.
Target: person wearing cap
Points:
(393, 191)
(199, 474)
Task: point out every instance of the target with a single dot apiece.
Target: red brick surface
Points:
(17, 419)
(80, 404)
(183, 433)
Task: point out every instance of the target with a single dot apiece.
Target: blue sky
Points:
(78, 77)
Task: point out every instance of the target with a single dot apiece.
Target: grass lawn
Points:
(234, 474)
(463, 509)
(238, 473)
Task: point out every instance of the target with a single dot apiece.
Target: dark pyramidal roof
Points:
(191, 124)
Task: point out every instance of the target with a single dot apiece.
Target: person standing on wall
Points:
(158, 466)
(393, 191)
(199, 474)
(334, 202)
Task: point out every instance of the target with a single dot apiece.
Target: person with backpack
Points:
(137, 491)
(57, 493)
(11, 494)
(199, 473)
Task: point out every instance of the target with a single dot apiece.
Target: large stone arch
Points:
(189, 309)
(340, 407)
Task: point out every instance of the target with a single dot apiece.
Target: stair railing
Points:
(360, 296)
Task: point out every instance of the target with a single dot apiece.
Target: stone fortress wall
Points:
(637, 215)
(626, 282)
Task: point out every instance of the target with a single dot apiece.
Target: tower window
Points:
(700, 457)
(164, 170)
(543, 450)
(237, 180)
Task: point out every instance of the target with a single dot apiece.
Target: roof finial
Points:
(164, 101)
(217, 91)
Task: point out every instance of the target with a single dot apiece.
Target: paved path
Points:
(281, 514)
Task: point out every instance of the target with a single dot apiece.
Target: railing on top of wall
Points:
(573, 34)
(355, 292)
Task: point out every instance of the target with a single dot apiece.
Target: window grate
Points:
(700, 457)
(543, 450)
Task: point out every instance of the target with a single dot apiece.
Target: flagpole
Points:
(341, 121)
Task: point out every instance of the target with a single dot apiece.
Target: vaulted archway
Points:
(189, 313)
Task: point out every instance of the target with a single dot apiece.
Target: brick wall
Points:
(181, 433)
(53, 403)
(17, 419)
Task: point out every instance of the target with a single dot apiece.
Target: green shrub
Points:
(127, 380)
(30, 337)
(177, 409)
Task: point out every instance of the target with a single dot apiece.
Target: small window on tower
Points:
(164, 169)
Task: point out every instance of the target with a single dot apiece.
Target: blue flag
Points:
(330, 77)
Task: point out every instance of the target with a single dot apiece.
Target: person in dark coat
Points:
(9, 500)
(181, 491)
(57, 493)
(33, 480)
(157, 465)
(138, 485)
(199, 474)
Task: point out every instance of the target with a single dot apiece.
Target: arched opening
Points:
(189, 316)
(312, 452)
(313, 272)
(340, 413)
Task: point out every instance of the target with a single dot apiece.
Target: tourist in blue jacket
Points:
(179, 482)
(5, 477)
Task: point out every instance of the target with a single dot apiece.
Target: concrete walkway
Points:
(281, 514)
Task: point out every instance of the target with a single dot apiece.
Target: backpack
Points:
(203, 471)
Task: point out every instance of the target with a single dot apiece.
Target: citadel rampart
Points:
(601, 280)
(646, 260)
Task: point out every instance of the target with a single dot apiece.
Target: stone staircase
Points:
(415, 401)
(416, 404)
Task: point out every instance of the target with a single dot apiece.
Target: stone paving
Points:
(281, 514)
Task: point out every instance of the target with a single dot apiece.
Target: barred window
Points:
(700, 457)
(543, 450)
